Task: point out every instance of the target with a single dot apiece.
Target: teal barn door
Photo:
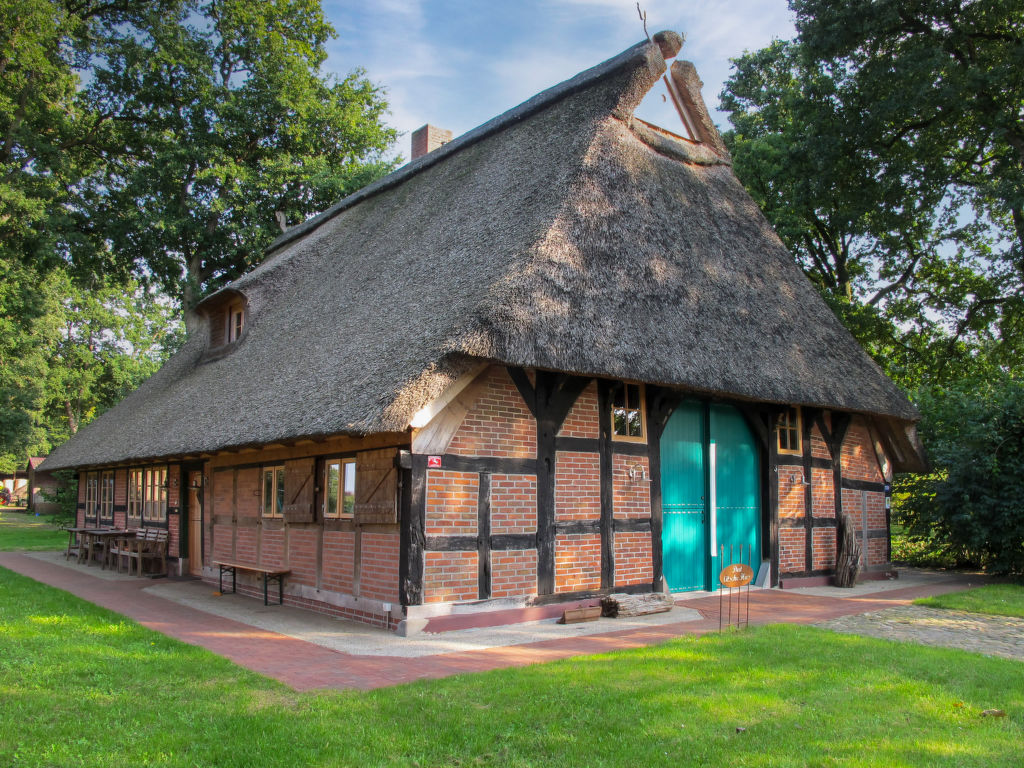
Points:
(738, 491)
(682, 498)
(711, 494)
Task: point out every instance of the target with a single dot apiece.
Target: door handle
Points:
(713, 498)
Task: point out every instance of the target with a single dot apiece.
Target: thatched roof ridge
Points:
(564, 235)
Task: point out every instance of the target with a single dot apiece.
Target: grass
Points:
(82, 686)
(19, 531)
(996, 599)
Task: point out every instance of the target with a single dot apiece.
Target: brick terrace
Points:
(305, 666)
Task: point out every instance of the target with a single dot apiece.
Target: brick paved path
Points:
(305, 666)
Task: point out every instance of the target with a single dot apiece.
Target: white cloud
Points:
(457, 64)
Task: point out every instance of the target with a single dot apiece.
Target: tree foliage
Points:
(145, 148)
(226, 120)
(972, 508)
(880, 144)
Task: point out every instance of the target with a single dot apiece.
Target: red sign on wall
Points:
(433, 461)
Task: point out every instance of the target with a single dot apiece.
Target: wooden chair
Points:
(149, 545)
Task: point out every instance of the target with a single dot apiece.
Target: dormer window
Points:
(227, 312)
(236, 322)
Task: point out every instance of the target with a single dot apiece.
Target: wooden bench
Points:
(267, 574)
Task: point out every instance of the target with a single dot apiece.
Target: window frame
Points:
(276, 472)
(136, 496)
(641, 409)
(92, 487)
(790, 423)
(342, 462)
(148, 496)
(234, 330)
(105, 498)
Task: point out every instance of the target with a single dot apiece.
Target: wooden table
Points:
(94, 536)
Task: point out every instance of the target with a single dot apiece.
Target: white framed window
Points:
(136, 495)
(629, 417)
(154, 490)
(339, 488)
(273, 491)
(106, 499)
(92, 495)
(236, 322)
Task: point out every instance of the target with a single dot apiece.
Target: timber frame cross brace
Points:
(549, 399)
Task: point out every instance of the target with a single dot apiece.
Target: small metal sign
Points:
(736, 575)
(433, 461)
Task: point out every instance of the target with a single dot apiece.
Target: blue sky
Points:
(458, 63)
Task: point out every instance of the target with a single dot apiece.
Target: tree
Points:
(226, 120)
(971, 507)
(150, 143)
(878, 229)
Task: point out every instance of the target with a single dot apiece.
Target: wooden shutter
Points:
(298, 491)
(376, 487)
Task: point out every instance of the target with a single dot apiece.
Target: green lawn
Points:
(81, 686)
(998, 599)
(21, 531)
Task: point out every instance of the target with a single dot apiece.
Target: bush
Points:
(66, 496)
(970, 509)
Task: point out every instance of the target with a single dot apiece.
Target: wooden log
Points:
(847, 554)
(620, 604)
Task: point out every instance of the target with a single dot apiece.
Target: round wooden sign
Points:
(736, 575)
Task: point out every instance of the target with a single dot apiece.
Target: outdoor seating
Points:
(148, 545)
(268, 574)
(119, 549)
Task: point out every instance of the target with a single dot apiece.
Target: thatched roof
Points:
(564, 234)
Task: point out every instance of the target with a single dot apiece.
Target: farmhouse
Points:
(561, 355)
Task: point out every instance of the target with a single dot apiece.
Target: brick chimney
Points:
(427, 139)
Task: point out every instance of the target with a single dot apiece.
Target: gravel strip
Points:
(977, 632)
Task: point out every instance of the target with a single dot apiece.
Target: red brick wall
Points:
(577, 486)
(630, 498)
(822, 493)
(222, 496)
(498, 423)
(338, 561)
(174, 535)
(868, 508)
(577, 562)
(823, 543)
(858, 455)
(633, 558)
(818, 447)
(378, 569)
(791, 550)
(791, 493)
(514, 573)
(302, 550)
(449, 576)
(272, 544)
(452, 503)
(513, 504)
(582, 420)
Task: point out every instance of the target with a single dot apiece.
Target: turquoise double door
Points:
(711, 495)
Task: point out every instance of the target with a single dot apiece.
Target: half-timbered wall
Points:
(807, 542)
(340, 566)
(530, 496)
